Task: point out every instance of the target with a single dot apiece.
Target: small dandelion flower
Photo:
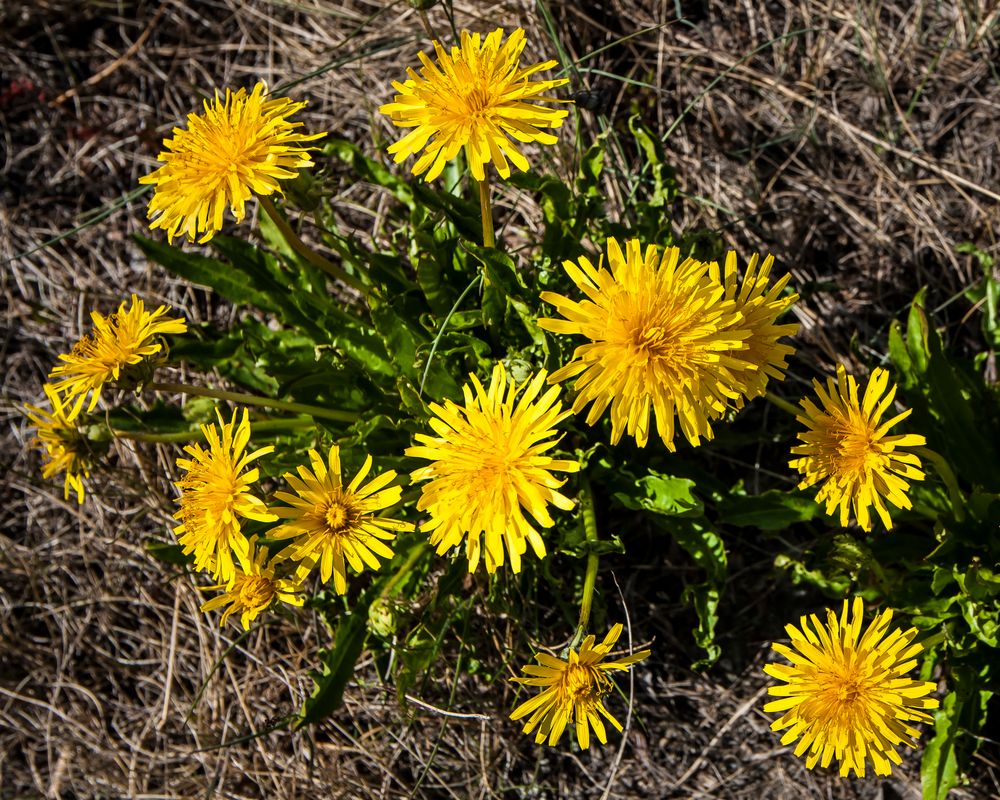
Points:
(120, 341)
(573, 691)
(663, 339)
(488, 466)
(846, 447)
(65, 448)
(241, 146)
(845, 695)
(478, 97)
(254, 588)
(215, 493)
(759, 306)
(332, 522)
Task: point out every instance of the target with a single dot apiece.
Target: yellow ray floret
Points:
(477, 97)
(65, 448)
(254, 588)
(215, 494)
(121, 340)
(844, 695)
(663, 339)
(759, 304)
(240, 146)
(332, 523)
(846, 447)
(489, 466)
(572, 691)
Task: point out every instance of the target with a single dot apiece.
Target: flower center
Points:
(256, 592)
(582, 683)
(858, 449)
(339, 516)
(478, 101)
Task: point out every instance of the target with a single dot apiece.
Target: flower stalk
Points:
(485, 205)
(590, 577)
(254, 400)
(305, 251)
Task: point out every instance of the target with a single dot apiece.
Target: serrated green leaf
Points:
(169, 553)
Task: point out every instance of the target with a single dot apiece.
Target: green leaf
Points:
(665, 495)
(231, 284)
(771, 511)
(708, 551)
(500, 270)
(169, 553)
(337, 664)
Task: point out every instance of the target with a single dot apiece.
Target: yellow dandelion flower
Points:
(846, 447)
(663, 338)
(845, 694)
(121, 340)
(215, 493)
(573, 692)
(65, 448)
(759, 306)
(332, 522)
(489, 466)
(254, 588)
(241, 146)
(478, 97)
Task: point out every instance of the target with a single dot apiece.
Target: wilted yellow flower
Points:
(121, 340)
(846, 447)
(488, 466)
(331, 522)
(254, 588)
(478, 97)
(844, 695)
(215, 493)
(759, 307)
(241, 146)
(663, 339)
(573, 692)
(65, 448)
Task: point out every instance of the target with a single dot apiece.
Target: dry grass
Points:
(859, 146)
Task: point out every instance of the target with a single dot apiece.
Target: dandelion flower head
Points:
(121, 340)
(572, 691)
(332, 523)
(846, 447)
(760, 304)
(477, 97)
(845, 694)
(215, 494)
(65, 448)
(254, 588)
(663, 339)
(240, 146)
(489, 465)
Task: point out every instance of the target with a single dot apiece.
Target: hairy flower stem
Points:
(305, 251)
(590, 578)
(292, 424)
(781, 403)
(254, 400)
(489, 240)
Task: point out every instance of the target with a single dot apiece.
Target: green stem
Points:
(412, 557)
(783, 404)
(947, 475)
(590, 578)
(304, 250)
(254, 400)
(489, 240)
(262, 426)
